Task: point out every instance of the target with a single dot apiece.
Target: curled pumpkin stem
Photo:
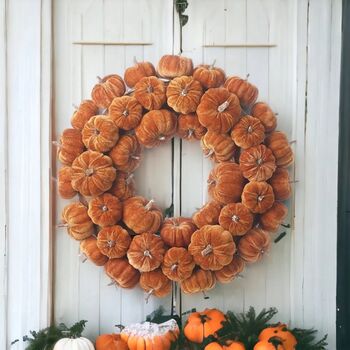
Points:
(148, 254)
(207, 250)
(223, 106)
(148, 206)
(174, 267)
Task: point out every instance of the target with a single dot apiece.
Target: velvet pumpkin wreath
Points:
(128, 234)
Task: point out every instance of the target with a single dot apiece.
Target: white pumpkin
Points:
(74, 344)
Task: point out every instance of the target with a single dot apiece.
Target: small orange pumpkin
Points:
(209, 76)
(177, 232)
(171, 66)
(230, 271)
(138, 71)
(248, 132)
(77, 220)
(269, 345)
(178, 264)
(156, 127)
(89, 248)
(253, 245)
(218, 147)
(64, 183)
(126, 154)
(274, 217)
(189, 127)
(212, 247)
(219, 110)
(83, 113)
(107, 89)
(207, 215)
(258, 196)
(281, 184)
(236, 218)
(146, 252)
(150, 93)
(100, 133)
(141, 215)
(280, 332)
(183, 94)
(92, 173)
(110, 342)
(200, 281)
(225, 183)
(70, 146)
(126, 112)
(155, 283)
(279, 145)
(113, 241)
(257, 163)
(122, 273)
(246, 92)
(264, 113)
(123, 186)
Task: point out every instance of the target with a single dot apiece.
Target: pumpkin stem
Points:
(129, 91)
(148, 295)
(223, 106)
(111, 283)
(235, 218)
(277, 113)
(104, 111)
(99, 79)
(190, 132)
(247, 76)
(110, 243)
(164, 80)
(135, 157)
(207, 250)
(82, 257)
(147, 253)
(209, 153)
(240, 276)
(75, 106)
(57, 143)
(149, 89)
(62, 225)
(211, 182)
(174, 267)
(129, 178)
(285, 225)
(261, 198)
(120, 326)
(148, 206)
(250, 129)
(135, 60)
(125, 113)
(205, 296)
(212, 65)
(293, 141)
(104, 208)
(161, 138)
(89, 171)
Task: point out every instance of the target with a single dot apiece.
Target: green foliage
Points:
(306, 339)
(169, 212)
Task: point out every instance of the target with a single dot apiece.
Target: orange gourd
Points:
(209, 76)
(107, 89)
(274, 217)
(141, 215)
(230, 271)
(138, 71)
(150, 93)
(278, 143)
(207, 215)
(113, 241)
(110, 342)
(172, 66)
(156, 127)
(189, 127)
(155, 283)
(282, 334)
(70, 146)
(258, 196)
(123, 186)
(90, 249)
(64, 183)
(248, 132)
(92, 173)
(126, 112)
(177, 232)
(83, 113)
(246, 92)
(200, 281)
(264, 113)
(253, 245)
(280, 183)
(146, 252)
(122, 273)
(219, 110)
(218, 147)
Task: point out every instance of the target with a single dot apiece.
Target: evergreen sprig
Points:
(306, 339)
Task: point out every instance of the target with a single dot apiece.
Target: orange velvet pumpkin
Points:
(126, 112)
(122, 273)
(107, 89)
(230, 271)
(264, 113)
(218, 147)
(225, 183)
(123, 186)
(280, 332)
(89, 248)
(156, 127)
(178, 264)
(212, 247)
(201, 325)
(248, 132)
(83, 113)
(209, 76)
(274, 217)
(281, 184)
(219, 110)
(246, 92)
(279, 145)
(258, 196)
(236, 218)
(126, 154)
(77, 220)
(100, 133)
(257, 163)
(141, 215)
(92, 173)
(138, 71)
(146, 252)
(70, 146)
(171, 66)
(200, 281)
(177, 232)
(110, 342)
(253, 245)
(113, 241)
(155, 283)
(150, 93)
(183, 94)
(207, 215)
(65, 188)
(189, 127)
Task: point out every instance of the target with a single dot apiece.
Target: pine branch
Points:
(306, 339)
